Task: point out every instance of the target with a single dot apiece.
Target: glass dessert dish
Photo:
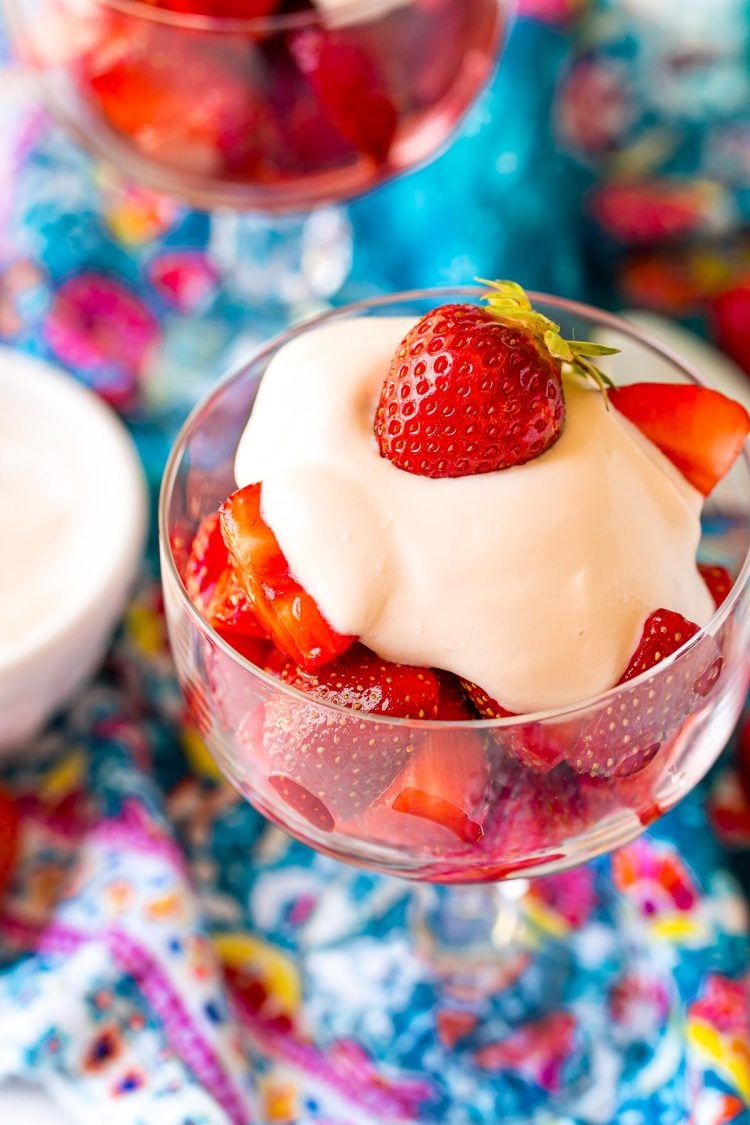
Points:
(262, 106)
(475, 802)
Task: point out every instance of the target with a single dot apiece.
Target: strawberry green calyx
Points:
(510, 303)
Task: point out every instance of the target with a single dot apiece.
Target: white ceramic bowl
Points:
(72, 525)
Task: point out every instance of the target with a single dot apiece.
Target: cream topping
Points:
(534, 582)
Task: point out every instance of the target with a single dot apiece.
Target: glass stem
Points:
(294, 263)
(472, 936)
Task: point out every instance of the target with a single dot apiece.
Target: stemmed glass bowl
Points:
(499, 799)
(268, 112)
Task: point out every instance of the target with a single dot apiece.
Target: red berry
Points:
(623, 737)
(323, 759)
(467, 393)
(731, 317)
(348, 86)
(10, 830)
(453, 707)
(183, 98)
(719, 581)
(218, 9)
(445, 782)
(361, 681)
(540, 746)
(288, 614)
(700, 430)
(213, 584)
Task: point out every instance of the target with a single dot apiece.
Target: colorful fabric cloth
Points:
(166, 956)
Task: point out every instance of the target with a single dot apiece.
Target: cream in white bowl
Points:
(72, 523)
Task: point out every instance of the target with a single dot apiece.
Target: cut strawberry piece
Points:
(182, 99)
(10, 830)
(628, 733)
(418, 802)
(540, 746)
(361, 681)
(285, 610)
(218, 9)
(700, 430)
(348, 86)
(453, 707)
(214, 587)
(533, 812)
(731, 317)
(487, 707)
(719, 581)
(445, 782)
(342, 761)
(303, 801)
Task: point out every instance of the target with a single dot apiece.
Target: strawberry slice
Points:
(700, 430)
(346, 81)
(10, 831)
(446, 783)
(361, 681)
(719, 581)
(540, 746)
(213, 584)
(324, 759)
(285, 610)
(453, 707)
(627, 734)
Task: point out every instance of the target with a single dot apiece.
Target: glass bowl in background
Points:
(454, 802)
(274, 113)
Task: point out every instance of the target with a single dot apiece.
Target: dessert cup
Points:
(515, 807)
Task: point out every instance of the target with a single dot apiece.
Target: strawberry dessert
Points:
(292, 100)
(455, 520)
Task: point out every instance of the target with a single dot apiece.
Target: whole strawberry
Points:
(475, 389)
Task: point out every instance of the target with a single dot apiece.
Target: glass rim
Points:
(558, 714)
(261, 25)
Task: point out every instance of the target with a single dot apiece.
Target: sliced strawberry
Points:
(731, 317)
(719, 581)
(627, 734)
(487, 707)
(340, 761)
(285, 610)
(444, 782)
(346, 81)
(182, 99)
(213, 584)
(453, 707)
(533, 812)
(10, 831)
(303, 801)
(361, 681)
(700, 430)
(218, 9)
(540, 746)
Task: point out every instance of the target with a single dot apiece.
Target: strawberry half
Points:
(213, 584)
(321, 759)
(287, 613)
(628, 733)
(443, 786)
(349, 88)
(700, 430)
(540, 746)
(473, 390)
(719, 581)
(361, 681)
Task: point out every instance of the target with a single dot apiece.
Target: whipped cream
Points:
(534, 582)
